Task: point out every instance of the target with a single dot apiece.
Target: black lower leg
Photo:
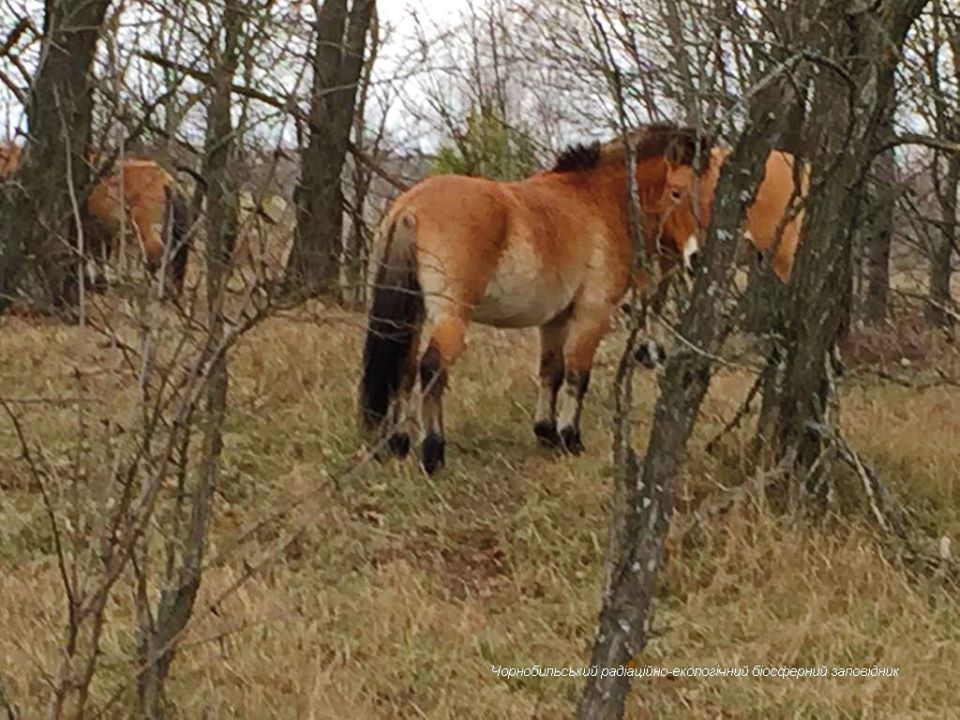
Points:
(545, 428)
(570, 438)
(432, 381)
(546, 432)
(399, 444)
(650, 353)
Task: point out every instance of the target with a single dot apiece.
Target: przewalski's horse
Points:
(136, 196)
(154, 211)
(552, 251)
(773, 221)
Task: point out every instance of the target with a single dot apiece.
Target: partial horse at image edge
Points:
(552, 251)
(153, 207)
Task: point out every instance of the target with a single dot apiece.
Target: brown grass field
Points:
(393, 596)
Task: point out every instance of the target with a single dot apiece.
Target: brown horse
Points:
(773, 221)
(9, 159)
(552, 251)
(139, 197)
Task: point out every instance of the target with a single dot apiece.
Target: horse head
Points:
(687, 200)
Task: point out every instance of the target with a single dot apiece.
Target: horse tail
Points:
(176, 233)
(396, 312)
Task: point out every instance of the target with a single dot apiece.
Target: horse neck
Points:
(606, 185)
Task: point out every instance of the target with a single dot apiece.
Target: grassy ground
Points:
(393, 596)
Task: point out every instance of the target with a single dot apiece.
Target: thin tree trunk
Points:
(314, 263)
(879, 233)
(39, 218)
(941, 270)
(355, 252)
(159, 641)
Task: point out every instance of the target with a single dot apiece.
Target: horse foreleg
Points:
(552, 336)
(445, 346)
(585, 332)
(651, 352)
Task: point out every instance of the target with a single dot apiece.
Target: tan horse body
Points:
(137, 198)
(9, 159)
(552, 251)
(773, 221)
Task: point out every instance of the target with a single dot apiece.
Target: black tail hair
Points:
(176, 231)
(395, 316)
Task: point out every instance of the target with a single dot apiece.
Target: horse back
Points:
(517, 252)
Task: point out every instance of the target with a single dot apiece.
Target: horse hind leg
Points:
(401, 422)
(445, 346)
(552, 336)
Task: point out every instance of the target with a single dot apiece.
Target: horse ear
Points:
(705, 157)
(674, 153)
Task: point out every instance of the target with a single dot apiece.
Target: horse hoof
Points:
(570, 440)
(432, 454)
(546, 433)
(650, 354)
(399, 444)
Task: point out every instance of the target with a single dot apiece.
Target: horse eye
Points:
(676, 194)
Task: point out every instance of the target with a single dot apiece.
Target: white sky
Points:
(398, 11)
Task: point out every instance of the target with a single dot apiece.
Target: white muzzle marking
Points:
(690, 249)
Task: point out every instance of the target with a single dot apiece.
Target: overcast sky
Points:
(397, 11)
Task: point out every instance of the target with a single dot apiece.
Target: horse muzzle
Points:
(691, 255)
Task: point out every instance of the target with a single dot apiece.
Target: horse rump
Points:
(396, 312)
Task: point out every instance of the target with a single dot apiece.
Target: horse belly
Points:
(522, 293)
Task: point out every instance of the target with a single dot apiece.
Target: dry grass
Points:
(399, 592)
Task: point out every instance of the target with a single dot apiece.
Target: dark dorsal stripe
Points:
(652, 141)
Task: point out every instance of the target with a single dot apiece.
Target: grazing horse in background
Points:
(772, 224)
(553, 251)
(137, 196)
(153, 209)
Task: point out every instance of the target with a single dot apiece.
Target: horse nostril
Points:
(693, 262)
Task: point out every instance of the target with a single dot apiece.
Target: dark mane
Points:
(577, 158)
(651, 140)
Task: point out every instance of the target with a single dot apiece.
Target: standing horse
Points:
(773, 222)
(552, 251)
(140, 197)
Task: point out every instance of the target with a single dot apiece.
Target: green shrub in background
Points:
(489, 148)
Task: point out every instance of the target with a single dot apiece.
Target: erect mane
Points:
(649, 141)
(576, 158)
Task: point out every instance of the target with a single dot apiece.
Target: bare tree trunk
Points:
(159, 639)
(767, 299)
(644, 497)
(941, 269)
(40, 219)
(341, 36)
(765, 302)
(944, 32)
(355, 252)
(878, 235)
(859, 43)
